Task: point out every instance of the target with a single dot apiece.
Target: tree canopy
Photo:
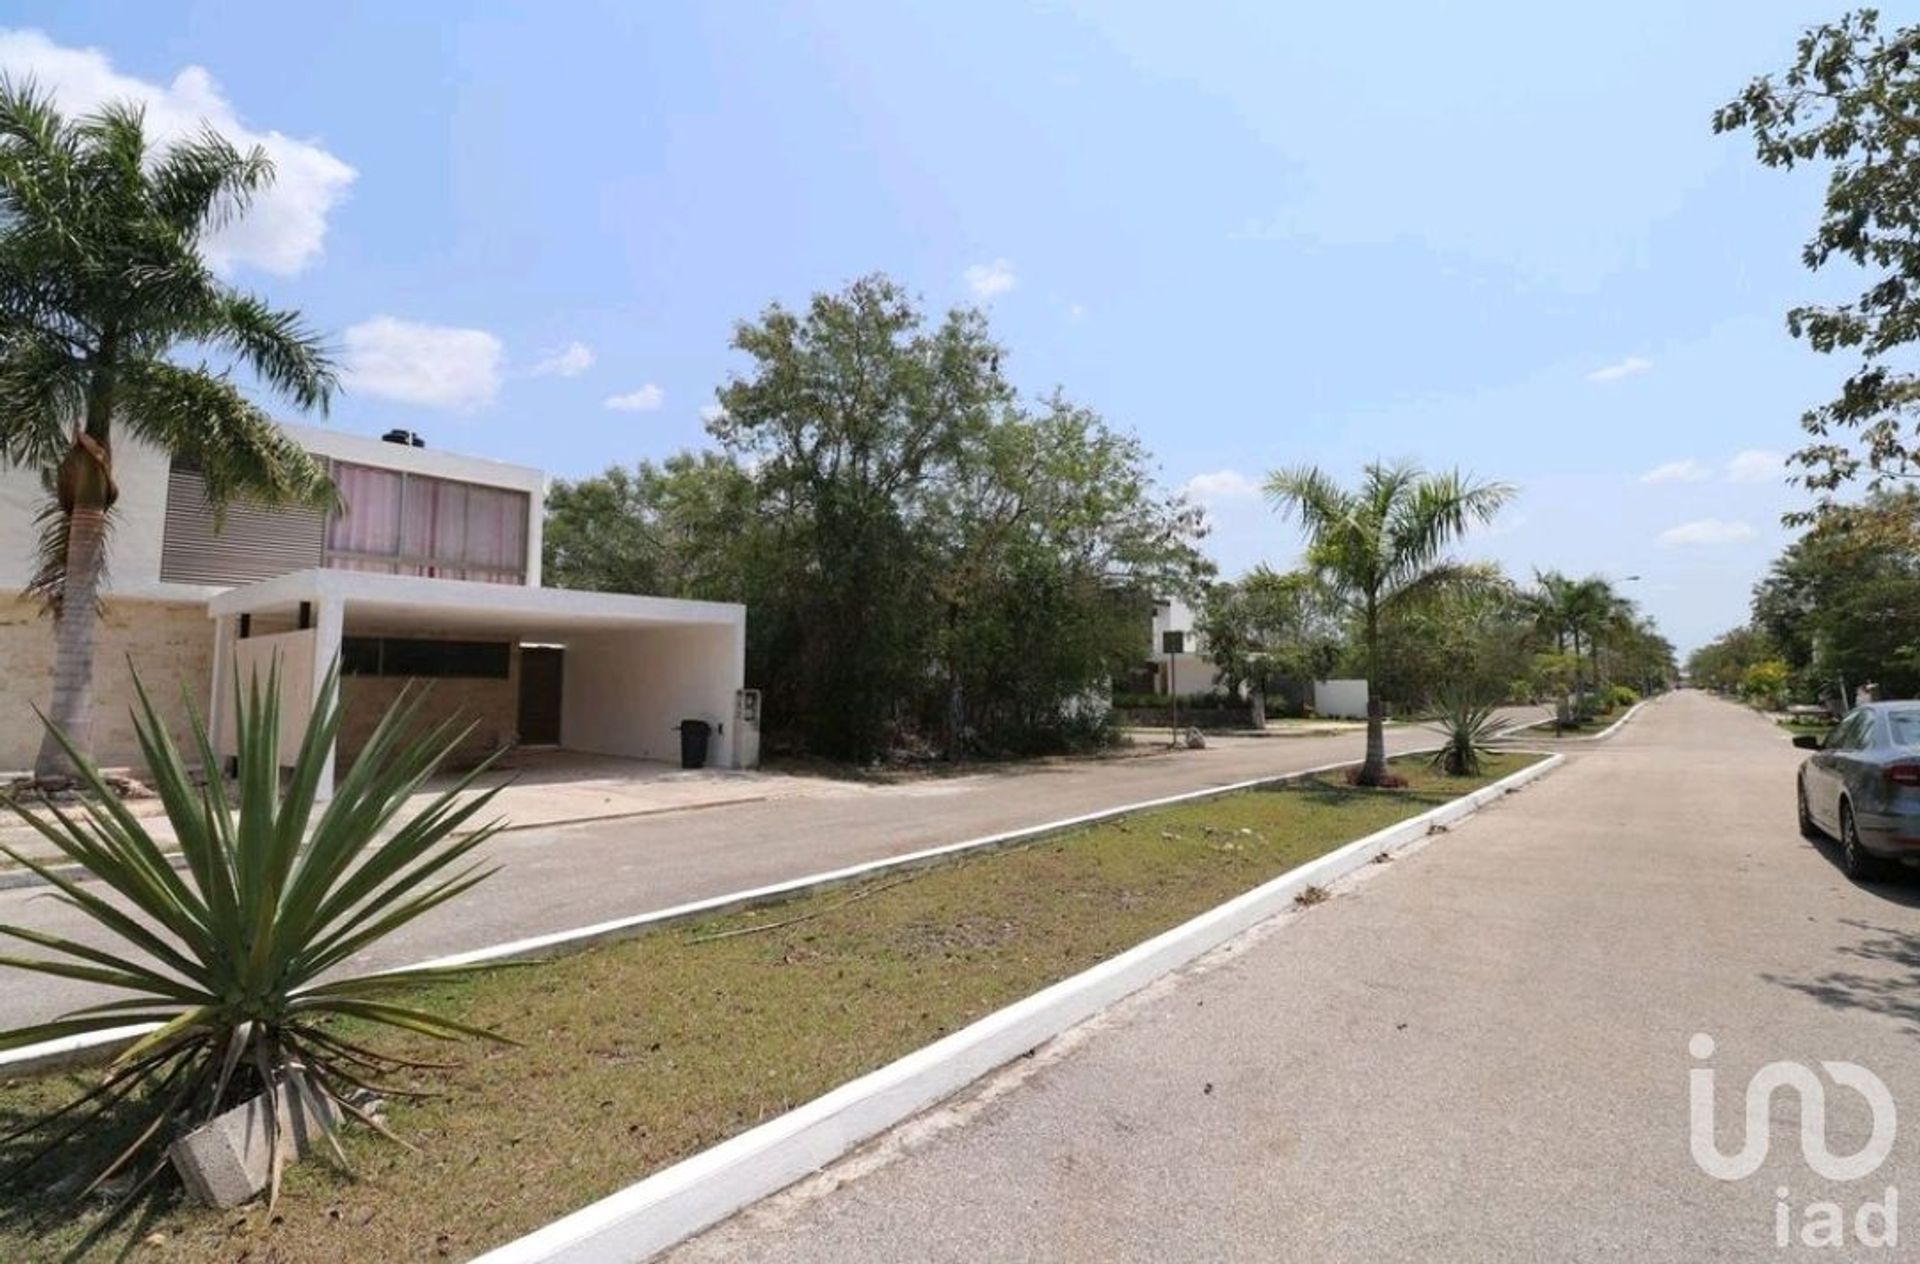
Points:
(932, 563)
(1850, 99)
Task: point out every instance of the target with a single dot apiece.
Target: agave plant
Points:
(1468, 728)
(233, 962)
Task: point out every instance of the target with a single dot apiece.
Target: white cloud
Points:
(711, 413)
(435, 366)
(570, 361)
(1208, 489)
(645, 400)
(988, 279)
(286, 226)
(1632, 366)
(1756, 465)
(1687, 471)
(1076, 311)
(1706, 531)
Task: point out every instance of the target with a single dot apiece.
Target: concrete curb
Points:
(1544, 728)
(75, 1051)
(677, 1202)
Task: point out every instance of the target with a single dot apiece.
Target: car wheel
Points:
(1858, 863)
(1807, 828)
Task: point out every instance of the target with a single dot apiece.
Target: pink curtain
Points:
(496, 544)
(370, 521)
(439, 527)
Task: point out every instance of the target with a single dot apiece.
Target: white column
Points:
(329, 619)
(226, 630)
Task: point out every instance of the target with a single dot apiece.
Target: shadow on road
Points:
(1889, 985)
(1903, 888)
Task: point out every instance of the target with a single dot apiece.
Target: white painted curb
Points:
(97, 1046)
(1545, 727)
(677, 1202)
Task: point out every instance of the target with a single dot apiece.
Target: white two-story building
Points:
(431, 572)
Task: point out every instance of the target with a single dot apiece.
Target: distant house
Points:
(431, 571)
(1177, 659)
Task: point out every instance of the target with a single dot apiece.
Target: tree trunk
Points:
(1373, 771)
(71, 709)
(1257, 706)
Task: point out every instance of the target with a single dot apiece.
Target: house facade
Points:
(1177, 653)
(430, 572)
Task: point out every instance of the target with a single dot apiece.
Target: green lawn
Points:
(638, 1054)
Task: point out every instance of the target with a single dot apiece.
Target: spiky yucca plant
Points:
(1467, 727)
(233, 961)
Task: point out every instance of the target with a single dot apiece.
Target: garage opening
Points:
(542, 670)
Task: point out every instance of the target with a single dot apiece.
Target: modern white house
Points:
(1177, 652)
(430, 572)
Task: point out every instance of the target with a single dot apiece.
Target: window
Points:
(1905, 727)
(409, 656)
(1852, 733)
(399, 523)
(392, 523)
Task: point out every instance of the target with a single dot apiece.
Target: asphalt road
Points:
(559, 878)
(1478, 1052)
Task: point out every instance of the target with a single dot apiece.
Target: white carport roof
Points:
(453, 604)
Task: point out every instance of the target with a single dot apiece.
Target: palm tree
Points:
(1581, 615)
(101, 280)
(1378, 549)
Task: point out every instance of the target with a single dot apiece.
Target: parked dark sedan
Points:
(1862, 787)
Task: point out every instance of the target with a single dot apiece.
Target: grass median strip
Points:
(636, 1055)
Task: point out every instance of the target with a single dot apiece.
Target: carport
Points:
(620, 671)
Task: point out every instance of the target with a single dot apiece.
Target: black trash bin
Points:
(693, 743)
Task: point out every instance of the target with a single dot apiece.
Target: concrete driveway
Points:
(554, 879)
(1478, 1052)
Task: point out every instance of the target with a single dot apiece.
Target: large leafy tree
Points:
(1851, 100)
(1468, 646)
(1380, 548)
(1842, 604)
(931, 563)
(1053, 526)
(1722, 663)
(102, 283)
(853, 414)
(1269, 630)
(685, 526)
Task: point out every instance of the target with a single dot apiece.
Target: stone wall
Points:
(491, 705)
(168, 643)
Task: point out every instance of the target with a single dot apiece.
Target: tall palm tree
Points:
(101, 281)
(1581, 615)
(1378, 548)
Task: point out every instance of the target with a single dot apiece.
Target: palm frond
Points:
(240, 452)
(203, 183)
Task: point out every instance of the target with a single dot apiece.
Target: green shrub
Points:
(235, 958)
(1467, 728)
(1622, 696)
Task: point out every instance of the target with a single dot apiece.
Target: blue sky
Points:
(1258, 235)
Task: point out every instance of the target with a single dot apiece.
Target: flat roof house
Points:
(432, 571)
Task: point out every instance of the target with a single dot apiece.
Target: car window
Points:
(1905, 727)
(1850, 733)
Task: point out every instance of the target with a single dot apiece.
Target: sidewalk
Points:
(1479, 1052)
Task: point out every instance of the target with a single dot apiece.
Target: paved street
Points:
(1478, 1052)
(556, 879)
